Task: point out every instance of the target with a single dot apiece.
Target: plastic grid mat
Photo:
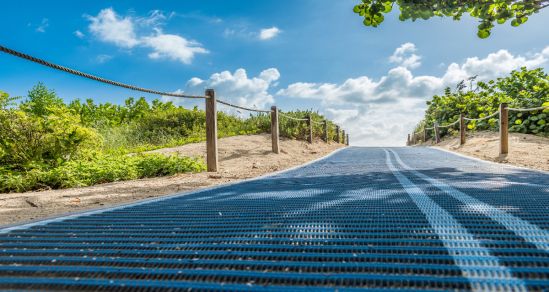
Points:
(397, 218)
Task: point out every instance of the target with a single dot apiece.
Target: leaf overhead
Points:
(488, 12)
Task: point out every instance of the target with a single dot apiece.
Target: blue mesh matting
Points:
(398, 218)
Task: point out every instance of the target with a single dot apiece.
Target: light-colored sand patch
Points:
(524, 150)
(240, 157)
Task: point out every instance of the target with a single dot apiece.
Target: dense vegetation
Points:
(521, 89)
(488, 12)
(46, 143)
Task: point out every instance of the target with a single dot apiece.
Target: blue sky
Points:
(312, 54)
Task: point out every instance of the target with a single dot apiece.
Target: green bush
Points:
(521, 89)
(103, 169)
(47, 144)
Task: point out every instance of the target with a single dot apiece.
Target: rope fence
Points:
(90, 76)
(210, 110)
(503, 119)
(242, 107)
(290, 117)
(447, 126)
(528, 109)
(483, 118)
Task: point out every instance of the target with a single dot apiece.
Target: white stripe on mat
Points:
(440, 220)
(530, 232)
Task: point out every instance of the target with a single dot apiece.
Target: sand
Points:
(240, 157)
(524, 150)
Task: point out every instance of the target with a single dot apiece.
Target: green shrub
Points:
(521, 89)
(103, 169)
(47, 144)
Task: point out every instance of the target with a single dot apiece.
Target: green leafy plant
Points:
(47, 144)
(521, 89)
(488, 12)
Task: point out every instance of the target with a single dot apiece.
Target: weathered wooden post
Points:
(437, 134)
(343, 137)
(337, 134)
(310, 124)
(461, 129)
(424, 134)
(211, 131)
(274, 129)
(408, 142)
(326, 131)
(503, 129)
(347, 140)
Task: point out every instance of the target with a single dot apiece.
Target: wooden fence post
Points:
(424, 134)
(503, 129)
(408, 140)
(437, 134)
(343, 137)
(461, 129)
(347, 140)
(337, 134)
(310, 124)
(326, 131)
(211, 131)
(274, 129)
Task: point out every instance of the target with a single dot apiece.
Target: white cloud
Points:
(79, 34)
(405, 56)
(129, 32)
(172, 47)
(238, 88)
(383, 111)
(43, 25)
(103, 58)
(269, 33)
(109, 27)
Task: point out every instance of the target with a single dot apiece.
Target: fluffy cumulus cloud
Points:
(405, 56)
(384, 110)
(128, 32)
(173, 47)
(237, 88)
(112, 28)
(269, 33)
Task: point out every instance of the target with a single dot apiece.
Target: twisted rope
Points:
(291, 118)
(92, 77)
(449, 125)
(241, 107)
(528, 109)
(480, 119)
(318, 123)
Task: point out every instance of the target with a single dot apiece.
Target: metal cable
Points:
(241, 107)
(291, 118)
(92, 77)
(480, 119)
(528, 109)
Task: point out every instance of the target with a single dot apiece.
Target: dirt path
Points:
(240, 157)
(524, 150)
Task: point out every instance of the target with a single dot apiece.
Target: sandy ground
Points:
(240, 157)
(524, 150)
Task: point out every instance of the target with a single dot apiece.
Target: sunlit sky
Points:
(308, 54)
